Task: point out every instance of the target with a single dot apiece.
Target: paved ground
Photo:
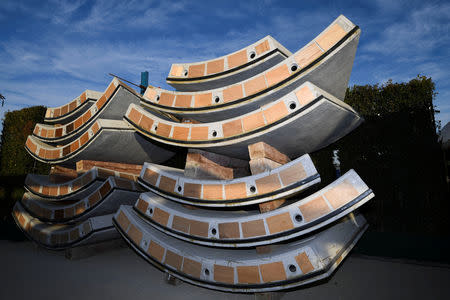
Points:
(33, 273)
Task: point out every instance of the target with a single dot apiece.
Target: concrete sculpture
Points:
(201, 224)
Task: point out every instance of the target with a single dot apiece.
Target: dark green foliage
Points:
(15, 162)
(397, 153)
(17, 125)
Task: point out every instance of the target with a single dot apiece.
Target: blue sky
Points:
(51, 51)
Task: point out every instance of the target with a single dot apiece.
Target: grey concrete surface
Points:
(34, 273)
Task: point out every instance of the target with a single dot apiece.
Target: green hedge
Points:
(15, 162)
(17, 125)
(397, 153)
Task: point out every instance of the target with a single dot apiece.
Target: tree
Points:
(3, 99)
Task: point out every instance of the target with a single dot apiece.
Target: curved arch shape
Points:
(252, 228)
(73, 109)
(310, 117)
(237, 270)
(58, 236)
(228, 69)
(326, 61)
(104, 140)
(105, 199)
(111, 105)
(41, 186)
(282, 182)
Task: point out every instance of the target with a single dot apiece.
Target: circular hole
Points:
(157, 98)
(156, 128)
(298, 218)
(292, 106)
(206, 272)
(217, 99)
(294, 68)
(179, 188)
(252, 189)
(185, 73)
(292, 268)
(151, 210)
(213, 231)
(214, 133)
(252, 55)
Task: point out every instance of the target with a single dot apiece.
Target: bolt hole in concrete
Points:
(294, 68)
(214, 231)
(214, 133)
(252, 189)
(185, 72)
(206, 272)
(292, 268)
(157, 98)
(156, 128)
(179, 188)
(252, 55)
(292, 105)
(151, 210)
(298, 218)
(217, 99)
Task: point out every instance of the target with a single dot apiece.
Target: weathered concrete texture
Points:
(264, 158)
(59, 236)
(205, 165)
(86, 165)
(293, 264)
(106, 199)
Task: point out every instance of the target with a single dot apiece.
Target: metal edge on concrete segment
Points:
(284, 181)
(228, 69)
(72, 110)
(59, 236)
(309, 117)
(106, 199)
(236, 229)
(289, 265)
(106, 140)
(329, 68)
(111, 105)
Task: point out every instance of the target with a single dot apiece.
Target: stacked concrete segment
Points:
(259, 95)
(228, 69)
(326, 62)
(52, 214)
(296, 107)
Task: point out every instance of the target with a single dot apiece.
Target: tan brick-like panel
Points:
(248, 274)
(304, 263)
(314, 209)
(273, 272)
(229, 230)
(341, 194)
(223, 274)
(279, 223)
(253, 228)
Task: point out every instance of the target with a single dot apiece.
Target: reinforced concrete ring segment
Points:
(308, 117)
(59, 236)
(104, 200)
(104, 140)
(289, 265)
(69, 112)
(228, 69)
(237, 229)
(82, 186)
(111, 105)
(282, 182)
(326, 61)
